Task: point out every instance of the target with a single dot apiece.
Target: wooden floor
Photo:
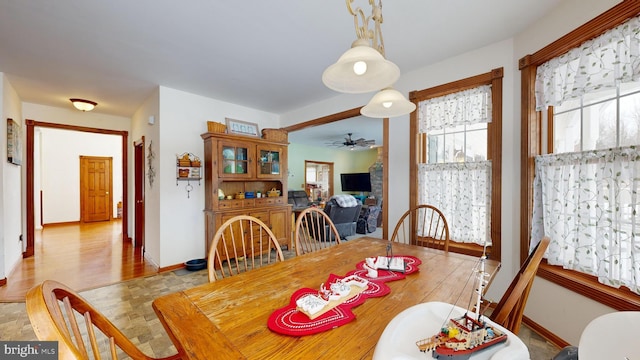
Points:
(82, 256)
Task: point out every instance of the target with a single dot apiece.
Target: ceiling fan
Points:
(351, 143)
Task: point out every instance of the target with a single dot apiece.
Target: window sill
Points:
(621, 299)
(469, 249)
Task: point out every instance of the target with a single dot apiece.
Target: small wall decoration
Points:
(240, 127)
(14, 143)
(151, 171)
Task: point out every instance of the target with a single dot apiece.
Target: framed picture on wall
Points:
(14, 142)
(240, 127)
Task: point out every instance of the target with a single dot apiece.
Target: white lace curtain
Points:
(602, 62)
(587, 203)
(462, 191)
(462, 108)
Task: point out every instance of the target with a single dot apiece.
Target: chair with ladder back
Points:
(57, 313)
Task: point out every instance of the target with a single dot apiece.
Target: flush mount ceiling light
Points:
(83, 105)
(364, 68)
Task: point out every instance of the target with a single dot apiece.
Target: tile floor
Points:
(128, 306)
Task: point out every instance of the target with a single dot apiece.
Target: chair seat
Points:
(611, 336)
(398, 340)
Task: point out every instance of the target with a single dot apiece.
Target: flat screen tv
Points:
(356, 182)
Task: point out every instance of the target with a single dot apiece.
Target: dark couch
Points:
(344, 218)
(299, 199)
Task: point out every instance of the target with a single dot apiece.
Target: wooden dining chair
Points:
(315, 231)
(241, 243)
(57, 313)
(424, 225)
(510, 308)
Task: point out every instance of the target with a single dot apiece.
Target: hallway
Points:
(82, 256)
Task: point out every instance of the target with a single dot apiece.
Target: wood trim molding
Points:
(530, 147)
(456, 86)
(620, 299)
(531, 139)
(385, 177)
(30, 199)
(325, 119)
(548, 335)
(603, 22)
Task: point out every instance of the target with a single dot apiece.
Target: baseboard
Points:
(61, 224)
(538, 329)
(171, 268)
(3, 281)
(543, 332)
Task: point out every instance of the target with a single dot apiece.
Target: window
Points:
(456, 176)
(456, 167)
(587, 78)
(596, 121)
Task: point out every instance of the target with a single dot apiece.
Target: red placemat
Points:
(289, 321)
(411, 263)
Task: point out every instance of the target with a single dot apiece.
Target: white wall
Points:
(140, 127)
(183, 118)
(60, 170)
(11, 191)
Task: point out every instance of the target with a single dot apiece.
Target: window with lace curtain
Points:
(586, 188)
(456, 177)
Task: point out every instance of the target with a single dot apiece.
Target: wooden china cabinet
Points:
(236, 168)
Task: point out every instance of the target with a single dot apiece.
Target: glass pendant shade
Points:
(387, 103)
(377, 74)
(83, 105)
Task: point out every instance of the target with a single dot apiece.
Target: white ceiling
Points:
(267, 55)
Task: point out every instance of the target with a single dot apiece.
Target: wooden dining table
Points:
(227, 319)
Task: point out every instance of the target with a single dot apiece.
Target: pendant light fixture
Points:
(83, 105)
(387, 103)
(364, 68)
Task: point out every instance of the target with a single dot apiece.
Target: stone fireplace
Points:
(375, 172)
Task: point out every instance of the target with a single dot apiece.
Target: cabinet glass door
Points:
(269, 162)
(235, 160)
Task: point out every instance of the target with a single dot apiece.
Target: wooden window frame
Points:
(532, 145)
(494, 152)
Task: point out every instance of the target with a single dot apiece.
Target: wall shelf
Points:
(188, 168)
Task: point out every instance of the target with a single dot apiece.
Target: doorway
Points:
(30, 177)
(138, 197)
(318, 181)
(347, 114)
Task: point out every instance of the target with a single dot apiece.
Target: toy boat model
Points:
(461, 337)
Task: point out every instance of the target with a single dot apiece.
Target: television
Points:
(356, 182)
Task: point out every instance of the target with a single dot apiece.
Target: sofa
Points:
(299, 199)
(344, 211)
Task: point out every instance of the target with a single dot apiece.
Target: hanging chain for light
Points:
(372, 37)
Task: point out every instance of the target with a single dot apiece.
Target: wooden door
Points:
(138, 222)
(95, 188)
